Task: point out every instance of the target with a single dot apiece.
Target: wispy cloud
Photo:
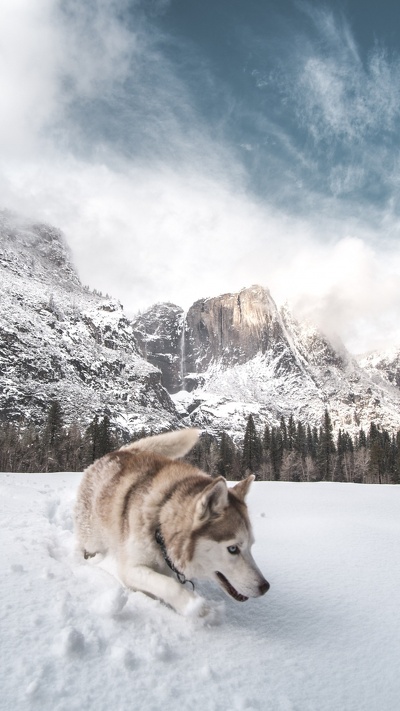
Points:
(347, 103)
(339, 94)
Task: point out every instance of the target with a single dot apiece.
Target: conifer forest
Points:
(290, 451)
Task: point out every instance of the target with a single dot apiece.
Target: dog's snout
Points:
(264, 587)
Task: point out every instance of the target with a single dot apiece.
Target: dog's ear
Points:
(242, 488)
(212, 501)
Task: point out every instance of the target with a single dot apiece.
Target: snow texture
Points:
(326, 637)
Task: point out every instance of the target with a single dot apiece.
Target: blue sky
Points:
(306, 95)
(192, 147)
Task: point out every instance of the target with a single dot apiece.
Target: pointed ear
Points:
(242, 488)
(212, 501)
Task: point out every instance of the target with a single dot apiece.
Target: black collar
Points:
(160, 541)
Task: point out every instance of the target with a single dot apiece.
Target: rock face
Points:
(230, 329)
(58, 340)
(159, 333)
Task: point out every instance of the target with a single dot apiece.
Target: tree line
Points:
(293, 451)
(290, 451)
(54, 447)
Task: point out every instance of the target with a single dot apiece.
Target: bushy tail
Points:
(172, 444)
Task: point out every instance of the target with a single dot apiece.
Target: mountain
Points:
(159, 333)
(384, 364)
(237, 354)
(60, 341)
(227, 357)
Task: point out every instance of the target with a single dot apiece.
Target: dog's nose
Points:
(264, 587)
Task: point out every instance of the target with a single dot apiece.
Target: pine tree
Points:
(300, 440)
(53, 438)
(326, 449)
(276, 452)
(362, 439)
(283, 432)
(54, 424)
(266, 441)
(311, 449)
(106, 442)
(341, 449)
(291, 433)
(252, 448)
(396, 468)
(375, 454)
(226, 457)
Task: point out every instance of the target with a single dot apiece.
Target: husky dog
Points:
(162, 518)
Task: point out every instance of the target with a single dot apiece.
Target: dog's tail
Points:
(172, 444)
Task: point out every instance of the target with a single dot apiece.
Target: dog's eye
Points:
(233, 550)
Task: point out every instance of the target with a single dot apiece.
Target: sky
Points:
(190, 147)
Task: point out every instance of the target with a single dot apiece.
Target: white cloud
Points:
(53, 54)
(29, 63)
(175, 222)
(348, 289)
(98, 48)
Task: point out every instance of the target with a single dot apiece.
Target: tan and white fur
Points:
(128, 495)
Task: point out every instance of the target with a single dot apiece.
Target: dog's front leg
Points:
(147, 580)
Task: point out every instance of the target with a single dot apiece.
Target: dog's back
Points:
(113, 483)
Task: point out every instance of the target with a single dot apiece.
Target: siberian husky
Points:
(166, 521)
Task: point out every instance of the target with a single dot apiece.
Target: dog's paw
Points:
(200, 609)
(196, 607)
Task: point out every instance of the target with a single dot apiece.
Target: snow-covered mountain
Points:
(225, 358)
(59, 340)
(383, 364)
(238, 353)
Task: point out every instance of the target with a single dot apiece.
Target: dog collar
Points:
(161, 543)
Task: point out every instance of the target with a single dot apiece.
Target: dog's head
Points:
(222, 540)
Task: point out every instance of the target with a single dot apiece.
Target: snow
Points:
(326, 637)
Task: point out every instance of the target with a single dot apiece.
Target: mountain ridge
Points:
(225, 358)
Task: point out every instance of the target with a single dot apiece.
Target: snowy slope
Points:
(326, 637)
(58, 340)
(383, 364)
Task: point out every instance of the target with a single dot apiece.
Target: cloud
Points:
(29, 61)
(346, 288)
(101, 135)
(339, 95)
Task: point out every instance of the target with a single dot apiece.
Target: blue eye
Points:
(233, 550)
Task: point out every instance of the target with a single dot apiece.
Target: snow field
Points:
(324, 638)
